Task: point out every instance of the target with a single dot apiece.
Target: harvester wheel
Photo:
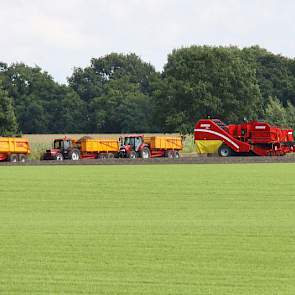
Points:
(224, 151)
(22, 158)
(13, 158)
(59, 157)
(132, 155)
(145, 153)
(176, 155)
(169, 154)
(74, 155)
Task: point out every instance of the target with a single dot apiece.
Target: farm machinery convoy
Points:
(211, 136)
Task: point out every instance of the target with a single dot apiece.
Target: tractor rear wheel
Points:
(132, 155)
(145, 153)
(74, 155)
(13, 158)
(59, 157)
(225, 151)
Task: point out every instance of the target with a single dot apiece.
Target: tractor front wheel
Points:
(225, 151)
(132, 155)
(59, 157)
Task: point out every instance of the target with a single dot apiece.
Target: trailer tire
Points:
(74, 155)
(132, 155)
(59, 157)
(111, 156)
(176, 155)
(145, 153)
(103, 156)
(13, 158)
(22, 158)
(225, 151)
(169, 154)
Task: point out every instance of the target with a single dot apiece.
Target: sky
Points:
(59, 35)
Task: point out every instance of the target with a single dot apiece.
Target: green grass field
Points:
(181, 229)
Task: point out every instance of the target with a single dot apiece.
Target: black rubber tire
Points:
(132, 155)
(103, 156)
(225, 151)
(59, 157)
(74, 155)
(145, 153)
(111, 156)
(169, 154)
(22, 158)
(176, 155)
(13, 158)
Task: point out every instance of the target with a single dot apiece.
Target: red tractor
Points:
(249, 138)
(140, 146)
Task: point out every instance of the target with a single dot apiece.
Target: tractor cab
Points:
(132, 146)
(62, 144)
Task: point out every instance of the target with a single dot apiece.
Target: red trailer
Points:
(249, 138)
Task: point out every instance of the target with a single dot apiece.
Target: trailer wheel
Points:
(103, 156)
(59, 157)
(145, 153)
(224, 151)
(74, 155)
(13, 158)
(22, 158)
(111, 156)
(132, 155)
(176, 155)
(169, 154)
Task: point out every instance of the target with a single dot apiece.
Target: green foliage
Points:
(200, 81)
(8, 124)
(180, 229)
(120, 93)
(117, 90)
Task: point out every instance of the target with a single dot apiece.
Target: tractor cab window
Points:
(58, 144)
(138, 142)
(67, 144)
(62, 144)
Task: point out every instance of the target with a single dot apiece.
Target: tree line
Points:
(120, 93)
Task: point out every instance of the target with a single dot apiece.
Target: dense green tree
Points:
(275, 74)
(275, 113)
(41, 104)
(8, 124)
(117, 89)
(201, 80)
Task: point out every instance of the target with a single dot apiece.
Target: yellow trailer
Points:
(14, 149)
(100, 147)
(164, 142)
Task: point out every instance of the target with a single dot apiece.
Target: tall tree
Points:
(201, 80)
(8, 124)
(117, 89)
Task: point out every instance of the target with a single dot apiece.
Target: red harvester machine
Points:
(250, 138)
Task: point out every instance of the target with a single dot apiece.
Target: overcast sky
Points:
(59, 35)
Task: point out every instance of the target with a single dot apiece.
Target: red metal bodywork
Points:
(259, 138)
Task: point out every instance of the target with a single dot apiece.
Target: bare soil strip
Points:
(155, 161)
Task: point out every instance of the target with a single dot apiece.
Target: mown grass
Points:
(181, 229)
